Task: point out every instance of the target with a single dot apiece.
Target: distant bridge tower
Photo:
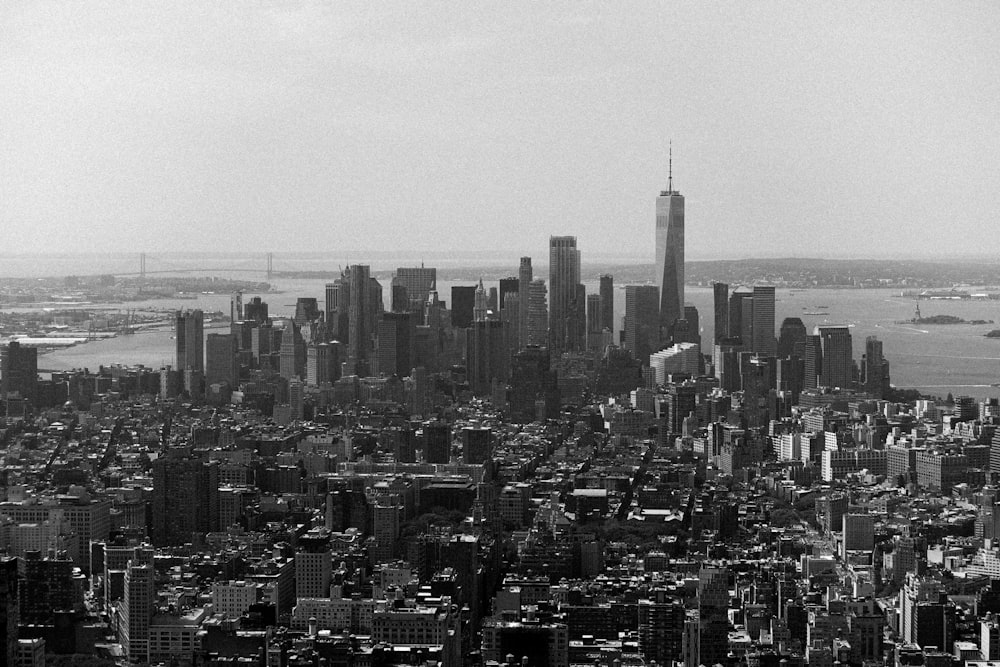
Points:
(142, 266)
(270, 265)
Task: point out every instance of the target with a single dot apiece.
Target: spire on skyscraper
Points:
(670, 166)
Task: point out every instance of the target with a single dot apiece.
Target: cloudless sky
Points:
(868, 129)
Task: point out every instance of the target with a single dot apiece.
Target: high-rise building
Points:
(394, 354)
(9, 608)
(538, 313)
(437, 442)
(222, 363)
(136, 606)
(463, 305)
(524, 278)
(792, 338)
(486, 356)
(255, 310)
(642, 321)
(713, 610)
(418, 281)
(364, 310)
(607, 292)
(313, 565)
(292, 351)
(185, 498)
(322, 363)
(720, 293)
(479, 307)
(670, 253)
(838, 358)
(534, 389)
(236, 307)
(189, 334)
(509, 285)
(564, 277)
(736, 328)
(813, 362)
(763, 342)
(595, 317)
(19, 371)
(874, 369)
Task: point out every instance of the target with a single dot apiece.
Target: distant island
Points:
(993, 334)
(947, 319)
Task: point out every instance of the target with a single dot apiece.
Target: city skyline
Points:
(185, 124)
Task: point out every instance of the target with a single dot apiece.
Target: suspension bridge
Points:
(150, 265)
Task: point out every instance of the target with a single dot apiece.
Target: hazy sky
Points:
(813, 129)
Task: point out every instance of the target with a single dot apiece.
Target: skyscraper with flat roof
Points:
(763, 342)
(607, 292)
(642, 323)
(564, 279)
(670, 253)
(720, 293)
(838, 357)
(524, 278)
(189, 335)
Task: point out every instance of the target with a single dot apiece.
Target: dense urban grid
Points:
(500, 475)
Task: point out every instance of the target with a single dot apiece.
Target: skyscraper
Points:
(364, 310)
(479, 307)
(524, 278)
(185, 498)
(564, 277)
(486, 357)
(607, 292)
(792, 338)
(222, 364)
(510, 285)
(418, 281)
(595, 316)
(721, 301)
(18, 371)
(838, 357)
(670, 253)
(642, 321)
(538, 314)
(463, 305)
(813, 361)
(763, 342)
(189, 335)
(875, 369)
(394, 355)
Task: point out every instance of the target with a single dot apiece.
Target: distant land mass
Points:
(792, 272)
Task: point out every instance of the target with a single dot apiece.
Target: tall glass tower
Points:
(670, 253)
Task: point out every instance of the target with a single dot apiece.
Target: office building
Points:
(185, 498)
(136, 606)
(509, 285)
(222, 363)
(607, 293)
(463, 305)
(595, 317)
(763, 342)
(189, 336)
(364, 310)
(292, 351)
(713, 610)
(418, 283)
(670, 253)
(874, 369)
(566, 323)
(313, 565)
(720, 301)
(838, 359)
(813, 362)
(19, 371)
(394, 344)
(524, 278)
(437, 442)
(322, 363)
(255, 310)
(477, 443)
(792, 338)
(642, 321)
(486, 355)
(538, 314)
(480, 306)
(9, 609)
